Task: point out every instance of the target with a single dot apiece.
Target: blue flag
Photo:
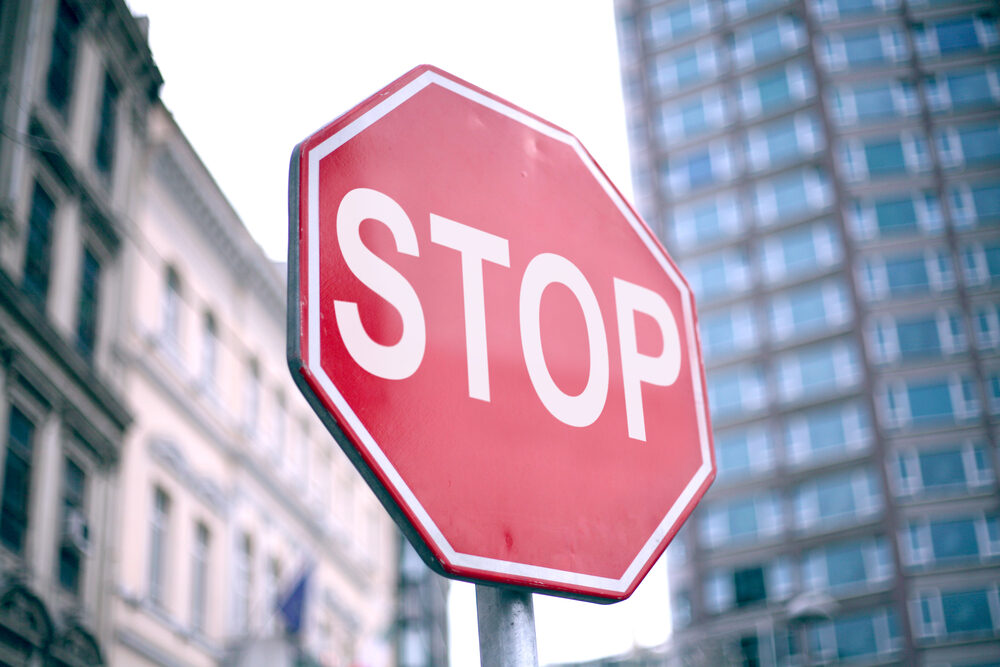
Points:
(291, 605)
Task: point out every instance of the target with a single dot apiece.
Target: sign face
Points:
(497, 341)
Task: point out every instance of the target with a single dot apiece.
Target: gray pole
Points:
(506, 627)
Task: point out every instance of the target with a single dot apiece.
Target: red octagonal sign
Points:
(495, 338)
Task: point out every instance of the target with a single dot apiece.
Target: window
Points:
(871, 47)
(74, 542)
(741, 520)
(242, 584)
(251, 399)
(37, 261)
(107, 128)
(62, 60)
(971, 146)
(767, 40)
(199, 576)
(907, 274)
(727, 332)
(17, 481)
(866, 634)
(847, 566)
(964, 89)
(172, 310)
(676, 71)
(209, 351)
(699, 168)
(873, 101)
(957, 613)
(916, 336)
(930, 401)
(956, 35)
(824, 433)
(736, 391)
(801, 251)
(814, 308)
(89, 304)
(278, 428)
(951, 539)
(706, 221)
(975, 205)
(832, 501)
(894, 215)
(743, 452)
(884, 157)
(747, 585)
(986, 321)
(740, 8)
(158, 545)
(691, 117)
(783, 141)
(680, 609)
(667, 23)
(791, 196)
(981, 264)
(817, 371)
(832, 9)
(718, 274)
(776, 89)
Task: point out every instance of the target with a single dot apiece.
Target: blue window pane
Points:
(956, 35)
(782, 141)
(885, 157)
(930, 400)
(693, 118)
(774, 90)
(863, 48)
(742, 518)
(992, 260)
(765, 41)
(980, 144)
(966, 612)
(818, 368)
(907, 274)
(855, 637)
(790, 195)
(969, 89)
(826, 429)
(845, 564)
(699, 168)
(918, 337)
(987, 201)
(717, 335)
(836, 497)
(687, 68)
(732, 455)
(954, 539)
(896, 215)
(944, 468)
(875, 102)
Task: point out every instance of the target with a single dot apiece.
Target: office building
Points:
(827, 175)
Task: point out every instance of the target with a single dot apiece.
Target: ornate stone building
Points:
(76, 81)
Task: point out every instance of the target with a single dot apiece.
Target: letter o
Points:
(584, 408)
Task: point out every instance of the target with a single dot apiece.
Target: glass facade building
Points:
(827, 175)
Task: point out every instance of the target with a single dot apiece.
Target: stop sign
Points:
(496, 340)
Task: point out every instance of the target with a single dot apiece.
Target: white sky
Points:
(247, 81)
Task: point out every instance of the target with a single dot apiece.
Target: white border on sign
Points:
(313, 361)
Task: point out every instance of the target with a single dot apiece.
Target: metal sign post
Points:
(506, 627)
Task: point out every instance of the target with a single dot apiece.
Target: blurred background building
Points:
(168, 498)
(75, 89)
(827, 175)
